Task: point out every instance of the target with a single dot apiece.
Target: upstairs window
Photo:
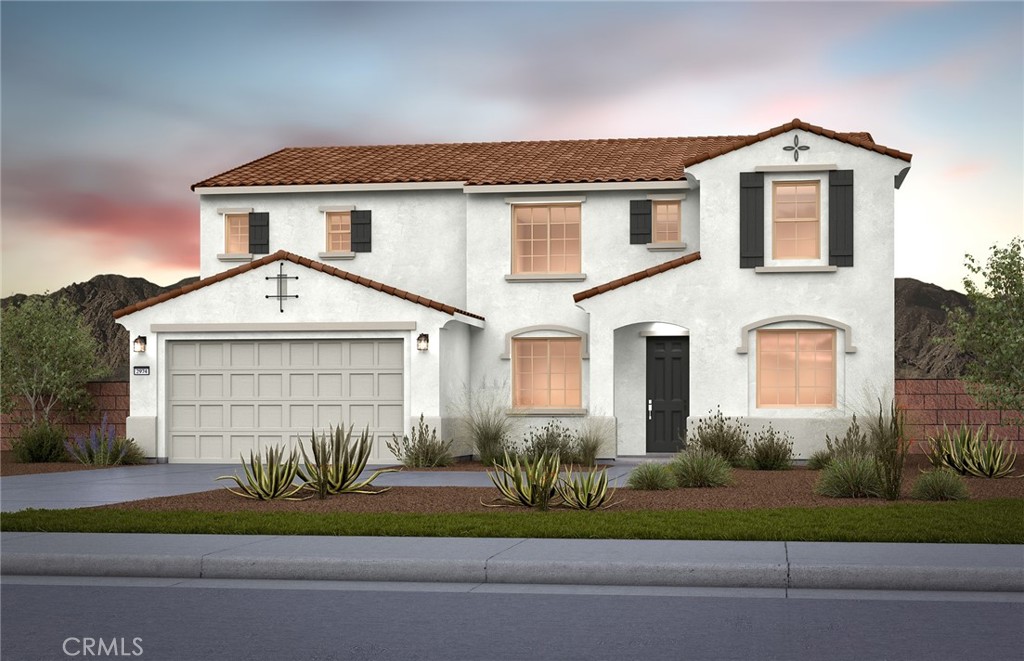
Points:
(796, 368)
(796, 220)
(666, 221)
(546, 238)
(339, 231)
(547, 373)
(236, 233)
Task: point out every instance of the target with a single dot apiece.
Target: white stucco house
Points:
(646, 280)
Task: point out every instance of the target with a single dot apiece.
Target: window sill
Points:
(796, 269)
(235, 257)
(548, 412)
(666, 246)
(336, 255)
(546, 277)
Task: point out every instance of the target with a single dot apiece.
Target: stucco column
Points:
(602, 368)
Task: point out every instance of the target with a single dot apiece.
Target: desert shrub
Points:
(724, 436)
(423, 450)
(771, 450)
(526, 482)
(939, 484)
(594, 433)
(971, 452)
(104, 448)
(551, 439)
(587, 490)
(651, 477)
(854, 443)
(337, 463)
(698, 467)
(886, 435)
(483, 412)
(274, 480)
(819, 459)
(849, 477)
(41, 441)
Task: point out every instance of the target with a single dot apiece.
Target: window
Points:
(796, 368)
(546, 238)
(236, 233)
(796, 220)
(546, 373)
(339, 231)
(666, 221)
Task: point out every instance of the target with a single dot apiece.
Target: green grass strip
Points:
(973, 522)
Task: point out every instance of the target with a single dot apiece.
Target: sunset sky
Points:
(110, 111)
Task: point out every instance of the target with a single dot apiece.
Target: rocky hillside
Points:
(920, 317)
(96, 300)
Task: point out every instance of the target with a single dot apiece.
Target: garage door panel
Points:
(231, 397)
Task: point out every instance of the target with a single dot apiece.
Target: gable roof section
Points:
(302, 261)
(506, 163)
(635, 277)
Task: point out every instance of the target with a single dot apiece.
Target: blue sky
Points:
(111, 110)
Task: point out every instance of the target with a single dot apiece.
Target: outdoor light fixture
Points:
(139, 345)
(423, 342)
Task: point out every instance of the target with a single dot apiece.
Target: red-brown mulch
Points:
(10, 466)
(751, 490)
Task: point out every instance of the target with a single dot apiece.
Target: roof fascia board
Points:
(594, 186)
(329, 188)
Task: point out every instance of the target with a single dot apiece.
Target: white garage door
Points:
(230, 397)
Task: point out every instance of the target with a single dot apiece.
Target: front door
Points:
(668, 392)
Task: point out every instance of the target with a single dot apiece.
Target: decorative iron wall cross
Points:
(282, 287)
(796, 148)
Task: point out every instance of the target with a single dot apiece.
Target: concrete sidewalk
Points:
(782, 565)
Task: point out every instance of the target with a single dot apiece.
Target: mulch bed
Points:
(11, 466)
(751, 490)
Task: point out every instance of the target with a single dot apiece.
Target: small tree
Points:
(47, 355)
(993, 333)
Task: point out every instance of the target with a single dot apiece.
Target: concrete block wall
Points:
(110, 397)
(930, 403)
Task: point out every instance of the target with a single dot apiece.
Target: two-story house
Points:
(645, 280)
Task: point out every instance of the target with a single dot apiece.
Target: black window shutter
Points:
(640, 221)
(751, 219)
(840, 218)
(361, 234)
(259, 233)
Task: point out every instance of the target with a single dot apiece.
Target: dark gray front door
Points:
(668, 392)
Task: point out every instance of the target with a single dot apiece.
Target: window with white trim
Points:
(545, 238)
(796, 368)
(796, 220)
(666, 221)
(339, 231)
(236, 233)
(547, 372)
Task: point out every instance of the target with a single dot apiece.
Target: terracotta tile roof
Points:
(482, 163)
(303, 261)
(635, 277)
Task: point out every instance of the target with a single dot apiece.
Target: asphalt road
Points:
(52, 618)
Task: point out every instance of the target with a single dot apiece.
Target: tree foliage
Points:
(47, 355)
(992, 334)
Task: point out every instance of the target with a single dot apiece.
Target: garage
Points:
(225, 398)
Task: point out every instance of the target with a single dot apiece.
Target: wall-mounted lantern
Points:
(139, 345)
(423, 342)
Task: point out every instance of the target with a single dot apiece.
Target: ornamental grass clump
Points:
(526, 482)
(268, 479)
(819, 459)
(854, 443)
(587, 490)
(40, 442)
(651, 477)
(552, 438)
(886, 434)
(971, 452)
(699, 467)
(725, 436)
(104, 448)
(423, 450)
(595, 432)
(939, 484)
(483, 412)
(337, 463)
(849, 477)
(771, 450)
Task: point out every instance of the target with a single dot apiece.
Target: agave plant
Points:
(529, 483)
(585, 491)
(971, 452)
(337, 463)
(275, 480)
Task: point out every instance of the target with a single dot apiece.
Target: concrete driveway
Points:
(116, 485)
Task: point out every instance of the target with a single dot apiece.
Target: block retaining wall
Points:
(930, 403)
(110, 397)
